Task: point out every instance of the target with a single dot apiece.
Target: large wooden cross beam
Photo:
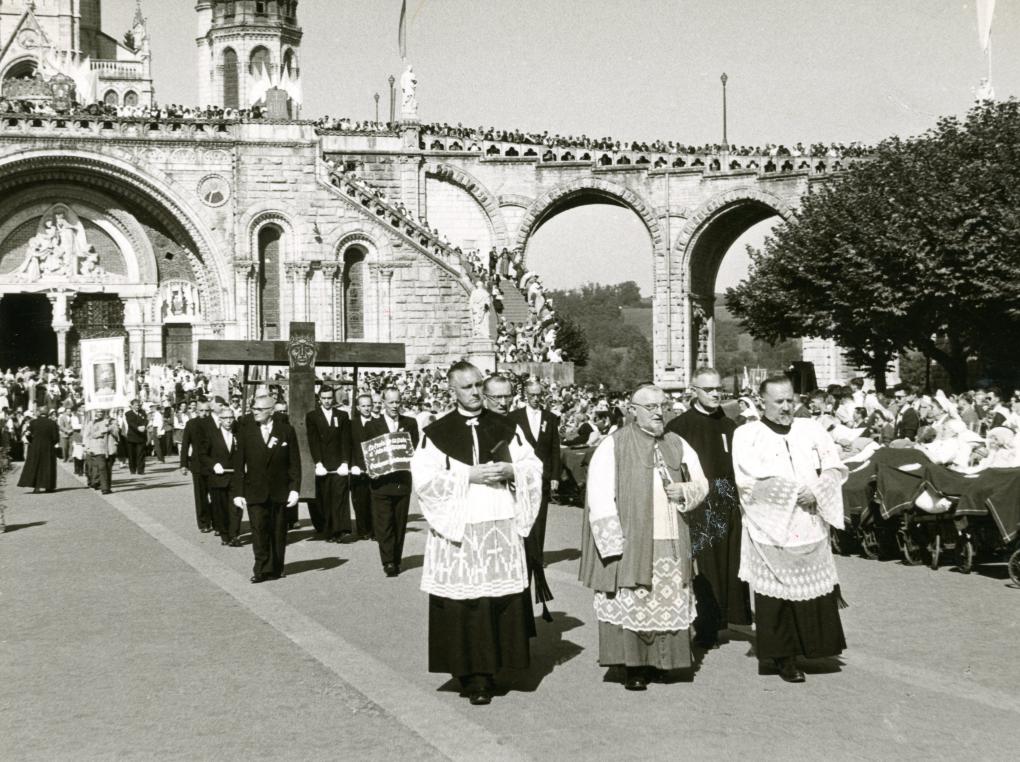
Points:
(302, 354)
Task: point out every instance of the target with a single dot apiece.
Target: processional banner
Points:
(388, 453)
(104, 379)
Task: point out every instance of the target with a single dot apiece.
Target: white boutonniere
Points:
(542, 430)
(273, 441)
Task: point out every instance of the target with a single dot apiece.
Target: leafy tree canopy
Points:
(915, 249)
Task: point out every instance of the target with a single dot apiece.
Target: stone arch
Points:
(482, 195)
(266, 214)
(699, 249)
(149, 189)
(583, 191)
(356, 238)
(21, 66)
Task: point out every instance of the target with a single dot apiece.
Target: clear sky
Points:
(799, 70)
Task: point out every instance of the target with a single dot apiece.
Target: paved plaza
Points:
(126, 633)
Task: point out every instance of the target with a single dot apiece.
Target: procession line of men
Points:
(681, 522)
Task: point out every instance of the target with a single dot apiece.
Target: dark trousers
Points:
(226, 517)
(268, 537)
(136, 457)
(361, 498)
(100, 471)
(203, 511)
(65, 447)
(798, 628)
(331, 513)
(389, 517)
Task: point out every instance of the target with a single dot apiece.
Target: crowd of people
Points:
(344, 125)
(100, 109)
(472, 138)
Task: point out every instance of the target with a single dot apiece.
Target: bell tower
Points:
(247, 48)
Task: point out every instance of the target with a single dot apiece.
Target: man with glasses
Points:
(266, 482)
(789, 476)
(217, 453)
(499, 394)
(196, 431)
(475, 569)
(908, 421)
(361, 495)
(722, 598)
(635, 542)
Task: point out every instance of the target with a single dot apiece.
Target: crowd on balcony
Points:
(471, 138)
(345, 125)
(101, 109)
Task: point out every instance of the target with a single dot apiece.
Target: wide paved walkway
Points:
(126, 633)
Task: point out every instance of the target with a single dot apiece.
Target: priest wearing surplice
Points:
(636, 546)
(789, 476)
(722, 598)
(479, 486)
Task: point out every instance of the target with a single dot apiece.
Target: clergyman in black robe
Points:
(40, 470)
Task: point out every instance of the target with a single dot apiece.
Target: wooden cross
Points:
(302, 354)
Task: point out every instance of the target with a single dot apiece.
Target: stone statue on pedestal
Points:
(409, 87)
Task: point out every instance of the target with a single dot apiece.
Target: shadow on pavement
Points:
(412, 562)
(315, 564)
(548, 651)
(566, 554)
(16, 527)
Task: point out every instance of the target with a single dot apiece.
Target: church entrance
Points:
(178, 345)
(26, 331)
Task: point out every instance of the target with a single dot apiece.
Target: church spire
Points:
(139, 18)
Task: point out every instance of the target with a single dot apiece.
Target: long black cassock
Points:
(475, 571)
(722, 598)
(40, 469)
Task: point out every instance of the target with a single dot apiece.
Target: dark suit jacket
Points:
(329, 445)
(547, 445)
(195, 431)
(357, 438)
(398, 483)
(134, 420)
(263, 473)
(214, 450)
(907, 424)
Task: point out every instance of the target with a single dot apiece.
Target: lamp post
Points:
(393, 102)
(377, 108)
(726, 143)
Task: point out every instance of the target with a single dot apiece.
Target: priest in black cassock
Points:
(722, 598)
(40, 469)
(475, 570)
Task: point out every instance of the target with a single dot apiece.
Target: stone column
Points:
(246, 306)
(387, 303)
(295, 272)
(329, 301)
(61, 322)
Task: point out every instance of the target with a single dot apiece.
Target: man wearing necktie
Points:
(329, 442)
(391, 494)
(266, 480)
(216, 452)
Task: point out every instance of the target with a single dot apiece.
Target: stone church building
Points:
(167, 229)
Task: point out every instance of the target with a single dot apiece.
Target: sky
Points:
(799, 70)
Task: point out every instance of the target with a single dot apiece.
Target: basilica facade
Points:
(170, 230)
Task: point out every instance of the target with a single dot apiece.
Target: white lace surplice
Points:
(785, 551)
(475, 545)
(669, 604)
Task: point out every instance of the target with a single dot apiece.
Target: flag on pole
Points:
(985, 11)
(402, 32)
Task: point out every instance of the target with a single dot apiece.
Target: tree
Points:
(917, 248)
(571, 339)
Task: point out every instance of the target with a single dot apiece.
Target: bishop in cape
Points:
(479, 486)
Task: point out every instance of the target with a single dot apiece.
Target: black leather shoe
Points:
(258, 578)
(224, 541)
(205, 530)
(481, 697)
(392, 570)
(789, 671)
(637, 679)
(235, 543)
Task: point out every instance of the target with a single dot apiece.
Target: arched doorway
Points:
(270, 242)
(27, 337)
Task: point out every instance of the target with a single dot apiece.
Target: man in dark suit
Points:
(391, 494)
(329, 442)
(217, 452)
(266, 481)
(361, 493)
(542, 430)
(195, 432)
(907, 419)
(136, 437)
